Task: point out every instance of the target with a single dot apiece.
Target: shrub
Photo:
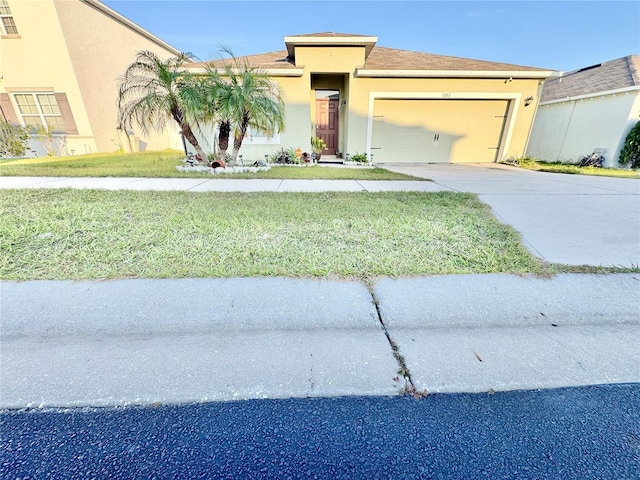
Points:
(216, 156)
(45, 136)
(359, 158)
(13, 140)
(630, 153)
(289, 152)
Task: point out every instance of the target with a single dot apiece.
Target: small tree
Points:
(244, 97)
(153, 90)
(630, 153)
(13, 140)
(45, 136)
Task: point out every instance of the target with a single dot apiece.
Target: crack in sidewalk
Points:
(409, 387)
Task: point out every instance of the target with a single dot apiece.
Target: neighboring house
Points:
(590, 108)
(398, 105)
(59, 63)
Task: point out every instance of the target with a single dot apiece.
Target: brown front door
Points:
(327, 123)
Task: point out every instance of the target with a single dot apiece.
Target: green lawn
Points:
(163, 164)
(96, 234)
(557, 167)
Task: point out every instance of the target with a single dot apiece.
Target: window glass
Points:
(40, 109)
(26, 103)
(32, 121)
(9, 25)
(56, 123)
(48, 104)
(4, 8)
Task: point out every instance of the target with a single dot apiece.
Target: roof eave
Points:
(367, 42)
(365, 72)
(617, 91)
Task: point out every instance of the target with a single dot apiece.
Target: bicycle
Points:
(594, 160)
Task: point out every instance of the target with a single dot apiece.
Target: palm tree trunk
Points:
(223, 137)
(191, 138)
(238, 138)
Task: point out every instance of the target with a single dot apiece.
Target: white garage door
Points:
(437, 130)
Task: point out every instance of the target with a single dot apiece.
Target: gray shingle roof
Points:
(612, 75)
(383, 58)
(269, 60)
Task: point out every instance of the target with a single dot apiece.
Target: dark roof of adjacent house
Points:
(383, 58)
(604, 77)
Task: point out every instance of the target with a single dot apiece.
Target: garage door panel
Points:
(400, 139)
(439, 130)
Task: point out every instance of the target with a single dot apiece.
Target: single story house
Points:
(591, 108)
(397, 105)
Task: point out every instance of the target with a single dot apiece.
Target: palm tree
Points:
(153, 90)
(244, 97)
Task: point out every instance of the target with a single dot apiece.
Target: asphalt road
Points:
(571, 433)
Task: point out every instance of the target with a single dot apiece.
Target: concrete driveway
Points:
(570, 219)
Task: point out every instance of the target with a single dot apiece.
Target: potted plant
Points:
(317, 145)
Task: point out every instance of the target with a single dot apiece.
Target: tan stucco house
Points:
(59, 61)
(592, 108)
(400, 106)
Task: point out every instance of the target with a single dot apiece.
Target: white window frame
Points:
(3, 29)
(43, 116)
(253, 137)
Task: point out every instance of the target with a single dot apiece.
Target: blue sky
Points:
(547, 34)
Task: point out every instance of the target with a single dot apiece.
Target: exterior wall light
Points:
(528, 100)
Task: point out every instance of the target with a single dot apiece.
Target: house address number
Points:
(446, 94)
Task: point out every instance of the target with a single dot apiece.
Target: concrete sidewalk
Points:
(221, 184)
(127, 342)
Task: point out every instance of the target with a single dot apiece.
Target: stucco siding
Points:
(567, 131)
(329, 59)
(100, 48)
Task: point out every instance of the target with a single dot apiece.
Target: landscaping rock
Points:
(213, 171)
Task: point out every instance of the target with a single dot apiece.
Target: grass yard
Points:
(96, 234)
(163, 164)
(557, 167)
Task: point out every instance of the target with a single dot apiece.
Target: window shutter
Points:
(8, 112)
(67, 116)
